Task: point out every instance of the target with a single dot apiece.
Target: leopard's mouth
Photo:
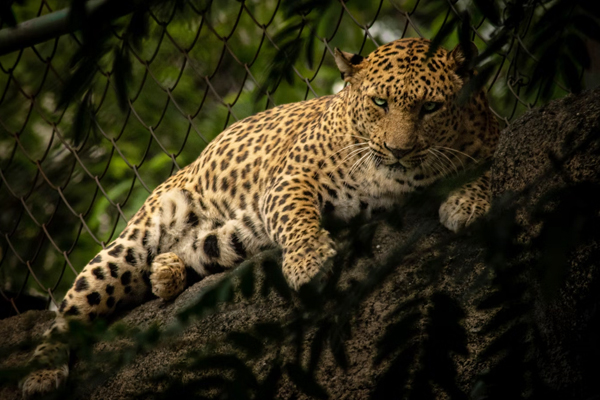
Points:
(397, 166)
(389, 163)
(405, 165)
(402, 165)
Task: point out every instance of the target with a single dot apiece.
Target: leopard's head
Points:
(404, 101)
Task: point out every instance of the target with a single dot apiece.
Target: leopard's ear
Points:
(348, 63)
(462, 58)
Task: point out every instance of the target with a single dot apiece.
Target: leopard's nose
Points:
(398, 152)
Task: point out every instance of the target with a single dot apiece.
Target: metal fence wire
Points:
(72, 175)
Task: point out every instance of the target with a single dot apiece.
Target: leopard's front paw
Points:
(460, 210)
(44, 381)
(168, 276)
(303, 264)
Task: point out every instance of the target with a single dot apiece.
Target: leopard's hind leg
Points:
(118, 275)
(157, 253)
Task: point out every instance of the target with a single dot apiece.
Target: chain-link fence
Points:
(73, 172)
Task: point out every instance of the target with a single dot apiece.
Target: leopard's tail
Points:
(118, 275)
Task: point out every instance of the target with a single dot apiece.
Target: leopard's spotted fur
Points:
(266, 181)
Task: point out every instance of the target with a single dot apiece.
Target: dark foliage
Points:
(425, 335)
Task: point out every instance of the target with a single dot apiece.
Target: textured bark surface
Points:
(522, 157)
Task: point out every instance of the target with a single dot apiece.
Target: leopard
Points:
(268, 180)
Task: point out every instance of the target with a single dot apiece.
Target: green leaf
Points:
(310, 47)
(544, 73)
(590, 7)
(274, 277)
(407, 306)
(464, 35)
(440, 36)
(83, 119)
(247, 280)
(7, 15)
(475, 84)
(494, 45)
(544, 38)
(396, 336)
(513, 337)
(122, 74)
(499, 297)
(310, 296)
(149, 336)
(250, 344)
(554, 16)
(317, 345)
(227, 362)
(569, 71)
(392, 383)
(587, 25)
(337, 346)
(289, 32)
(205, 304)
(85, 65)
(303, 7)
(270, 330)
(305, 381)
(137, 28)
(204, 383)
(445, 327)
(225, 290)
(577, 47)
(268, 388)
(514, 13)
(77, 15)
(489, 9)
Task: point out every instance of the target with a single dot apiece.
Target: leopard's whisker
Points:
(370, 163)
(342, 162)
(439, 164)
(373, 159)
(354, 136)
(354, 165)
(448, 162)
(453, 155)
(457, 151)
(446, 166)
(347, 147)
(435, 167)
(364, 161)
(354, 152)
(428, 167)
(357, 163)
(448, 159)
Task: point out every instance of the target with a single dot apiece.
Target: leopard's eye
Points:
(430, 106)
(380, 102)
